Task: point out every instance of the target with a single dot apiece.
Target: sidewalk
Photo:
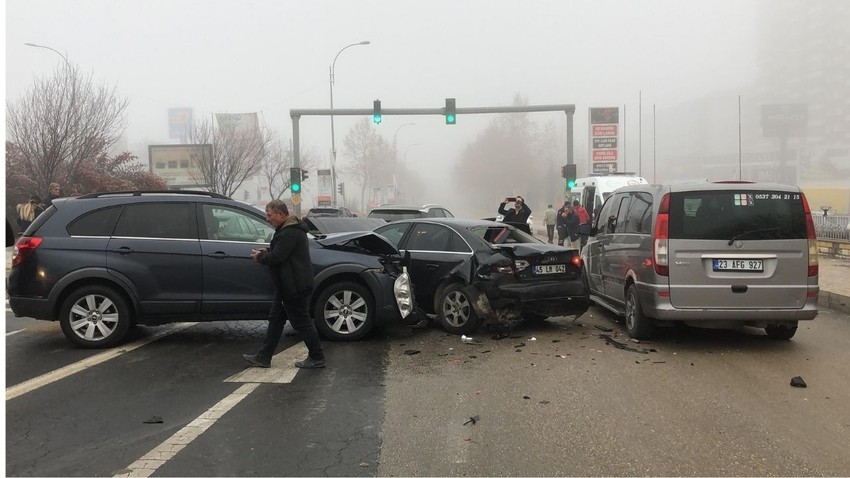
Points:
(834, 281)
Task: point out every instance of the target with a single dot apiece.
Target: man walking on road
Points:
(288, 256)
(549, 218)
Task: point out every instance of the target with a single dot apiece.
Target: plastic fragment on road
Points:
(798, 382)
(532, 339)
(465, 339)
(153, 419)
(604, 329)
(622, 346)
(472, 420)
(411, 352)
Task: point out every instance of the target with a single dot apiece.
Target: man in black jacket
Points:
(518, 216)
(288, 256)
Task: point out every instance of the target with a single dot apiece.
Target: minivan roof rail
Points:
(185, 192)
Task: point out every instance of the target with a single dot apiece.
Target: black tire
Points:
(638, 325)
(344, 311)
(455, 311)
(95, 317)
(780, 332)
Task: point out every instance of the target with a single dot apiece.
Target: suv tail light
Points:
(659, 238)
(26, 246)
(812, 237)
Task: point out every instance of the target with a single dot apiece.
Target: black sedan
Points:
(471, 271)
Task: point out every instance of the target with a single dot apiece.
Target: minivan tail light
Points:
(660, 236)
(812, 238)
(23, 248)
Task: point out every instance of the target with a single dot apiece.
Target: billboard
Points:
(325, 187)
(179, 120)
(177, 163)
(245, 123)
(784, 119)
(604, 138)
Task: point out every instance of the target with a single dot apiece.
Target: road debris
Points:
(604, 329)
(472, 420)
(798, 382)
(153, 419)
(622, 346)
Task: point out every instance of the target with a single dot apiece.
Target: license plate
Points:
(550, 269)
(739, 265)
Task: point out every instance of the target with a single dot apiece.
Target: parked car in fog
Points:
(395, 212)
(471, 271)
(102, 262)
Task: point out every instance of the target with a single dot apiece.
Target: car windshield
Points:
(497, 235)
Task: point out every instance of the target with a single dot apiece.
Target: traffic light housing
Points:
(376, 111)
(295, 180)
(341, 189)
(304, 175)
(568, 172)
(451, 111)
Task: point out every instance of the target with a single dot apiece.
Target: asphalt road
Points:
(691, 402)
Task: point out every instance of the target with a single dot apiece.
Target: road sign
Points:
(296, 199)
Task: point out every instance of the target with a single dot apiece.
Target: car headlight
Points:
(521, 264)
(403, 293)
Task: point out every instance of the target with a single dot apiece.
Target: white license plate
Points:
(739, 265)
(550, 269)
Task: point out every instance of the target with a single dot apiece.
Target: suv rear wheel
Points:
(638, 325)
(95, 317)
(344, 311)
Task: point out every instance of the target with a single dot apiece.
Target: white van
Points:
(593, 190)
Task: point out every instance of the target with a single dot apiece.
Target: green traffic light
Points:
(296, 188)
(376, 119)
(571, 184)
(450, 119)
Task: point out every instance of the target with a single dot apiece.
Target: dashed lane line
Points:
(152, 460)
(282, 370)
(68, 370)
(14, 332)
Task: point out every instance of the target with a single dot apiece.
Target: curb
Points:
(836, 302)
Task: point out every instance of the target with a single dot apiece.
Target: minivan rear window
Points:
(744, 215)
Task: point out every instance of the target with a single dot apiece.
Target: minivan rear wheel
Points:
(638, 325)
(780, 332)
(95, 317)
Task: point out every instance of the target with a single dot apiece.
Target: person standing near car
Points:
(550, 218)
(518, 216)
(288, 256)
(53, 192)
(28, 211)
(571, 223)
(583, 218)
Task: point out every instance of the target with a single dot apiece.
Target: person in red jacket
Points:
(583, 218)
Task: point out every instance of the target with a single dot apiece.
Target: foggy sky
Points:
(272, 56)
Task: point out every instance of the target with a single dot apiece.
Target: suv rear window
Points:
(749, 215)
(100, 222)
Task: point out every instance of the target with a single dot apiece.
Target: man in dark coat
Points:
(288, 256)
(518, 216)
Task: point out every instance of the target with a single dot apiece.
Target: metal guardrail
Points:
(832, 227)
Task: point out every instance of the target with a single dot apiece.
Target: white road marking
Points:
(152, 460)
(283, 370)
(68, 370)
(14, 332)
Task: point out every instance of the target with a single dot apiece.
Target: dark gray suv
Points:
(102, 262)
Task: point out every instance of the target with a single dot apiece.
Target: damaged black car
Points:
(469, 272)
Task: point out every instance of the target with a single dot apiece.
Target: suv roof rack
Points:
(186, 192)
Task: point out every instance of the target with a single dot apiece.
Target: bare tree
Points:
(236, 154)
(61, 121)
(372, 157)
(276, 165)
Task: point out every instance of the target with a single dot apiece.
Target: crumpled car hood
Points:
(359, 241)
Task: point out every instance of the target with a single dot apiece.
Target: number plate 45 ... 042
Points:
(550, 269)
(738, 265)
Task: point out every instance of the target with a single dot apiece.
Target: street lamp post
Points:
(333, 139)
(67, 63)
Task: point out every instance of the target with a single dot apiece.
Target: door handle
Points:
(218, 255)
(124, 250)
(432, 267)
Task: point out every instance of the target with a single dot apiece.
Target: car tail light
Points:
(23, 248)
(659, 237)
(812, 237)
(576, 260)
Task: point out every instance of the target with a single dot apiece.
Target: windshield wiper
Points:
(738, 236)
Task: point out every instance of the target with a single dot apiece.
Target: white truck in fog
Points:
(593, 190)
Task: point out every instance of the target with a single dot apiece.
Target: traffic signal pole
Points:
(296, 115)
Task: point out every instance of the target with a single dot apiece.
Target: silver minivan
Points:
(707, 254)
